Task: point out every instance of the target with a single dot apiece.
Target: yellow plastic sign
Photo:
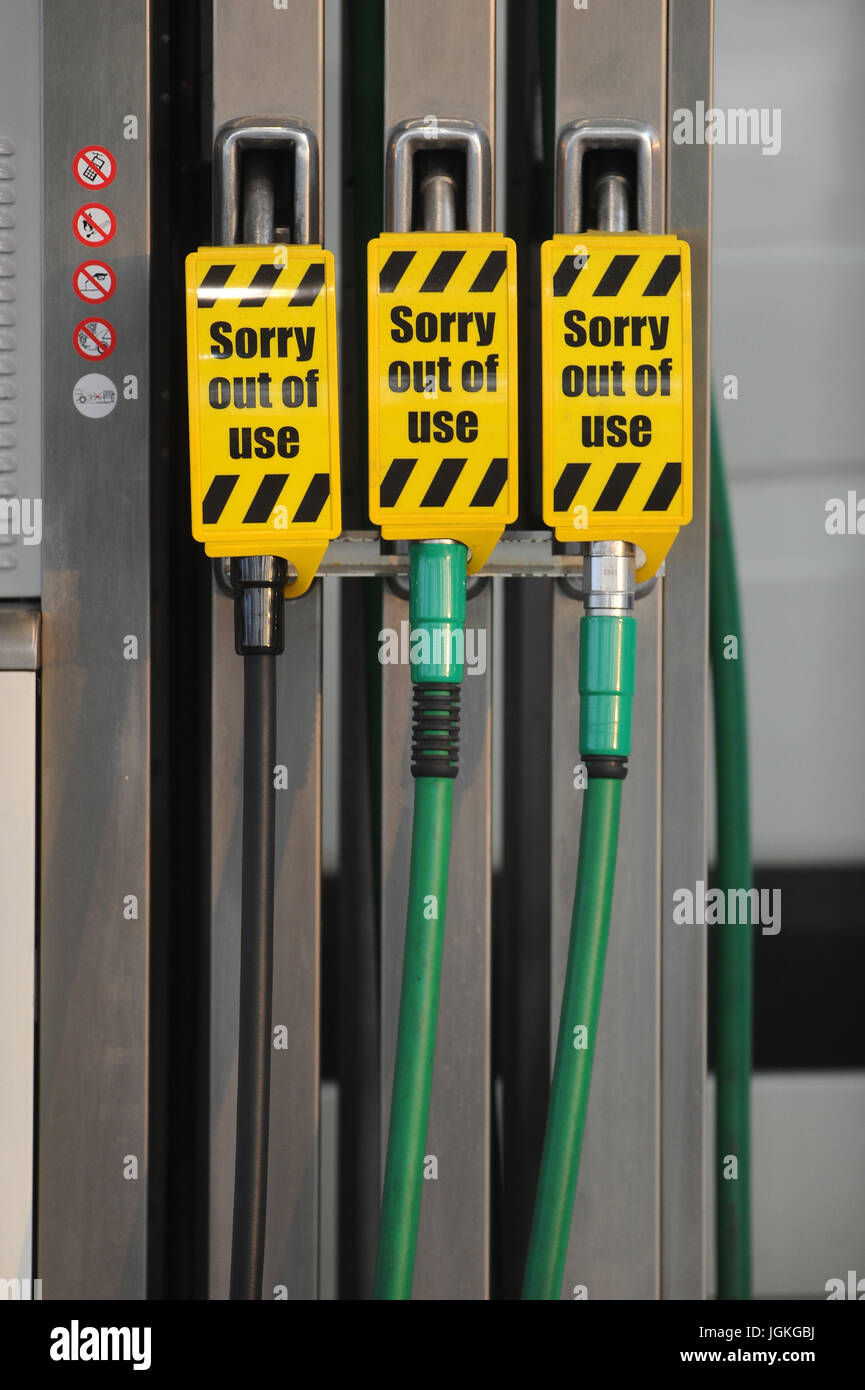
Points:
(616, 326)
(263, 405)
(443, 387)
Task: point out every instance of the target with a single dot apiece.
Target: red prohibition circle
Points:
(100, 347)
(101, 234)
(100, 166)
(96, 276)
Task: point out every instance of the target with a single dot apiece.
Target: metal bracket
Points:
(574, 144)
(410, 137)
(264, 133)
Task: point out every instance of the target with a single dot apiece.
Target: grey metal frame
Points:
(685, 712)
(94, 965)
(453, 79)
(638, 1221)
(270, 61)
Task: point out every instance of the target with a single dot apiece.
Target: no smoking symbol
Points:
(94, 338)
(94, 224)
(94, 167)
(94, 282)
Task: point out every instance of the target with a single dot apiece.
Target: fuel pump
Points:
(442, 409)
(264, 465)
(616, 394)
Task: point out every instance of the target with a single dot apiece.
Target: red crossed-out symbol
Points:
(94, 282)
(94, 167)
(94, 224)
(94, 338)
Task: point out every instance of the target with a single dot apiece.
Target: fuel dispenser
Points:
(264, 463)
(305, 1036)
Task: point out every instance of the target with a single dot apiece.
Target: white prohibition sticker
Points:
(94, 395)
(94, 167)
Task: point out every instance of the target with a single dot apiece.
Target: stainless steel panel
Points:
(17, 974)
(612, 61)
(614, 1241)
(452, 1253)
(440, 62)
(291, 1260)
(269, 62)
(94, 952)
(683, 1026)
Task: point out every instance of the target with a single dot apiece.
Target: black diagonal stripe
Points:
(216, 497)
(616, 486)
(443, 268)
(395, 479)
(307, 290)
(265, 498)
(664, 277)
(214, 279)
(564, 278)
(491, 484)
(615, 275)
(568, 485)
(442, 484)
(393, 270)
(665, 488)
(260, 286)
(314, 498)
(490, 273)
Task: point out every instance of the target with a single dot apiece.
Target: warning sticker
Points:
(94, 338)
(94, 167)
(94, 224)
(94, 282)
(443, 387)
(617, 389)
(263, 406)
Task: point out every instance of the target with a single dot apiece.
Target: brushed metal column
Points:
(96, 675)
(686, 645)
(269, 62)
(611, 60)
(440, 60)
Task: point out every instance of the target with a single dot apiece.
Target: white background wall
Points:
(789, 320)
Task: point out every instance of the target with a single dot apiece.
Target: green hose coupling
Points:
(437, 613)
(608, 654)
(437, 610)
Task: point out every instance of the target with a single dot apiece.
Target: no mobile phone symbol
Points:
(94, 167)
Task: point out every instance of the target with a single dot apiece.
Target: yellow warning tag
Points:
(443, 387)
(617, 389)
(263, 406)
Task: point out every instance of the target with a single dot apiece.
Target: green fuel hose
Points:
(734, 965)
(572, 1075)
(607, 662)
(437, 614)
